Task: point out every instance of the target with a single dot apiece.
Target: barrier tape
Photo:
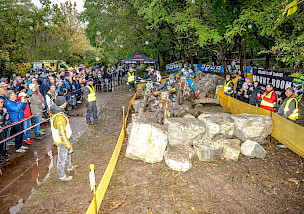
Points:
(103, 185)
(6, 139)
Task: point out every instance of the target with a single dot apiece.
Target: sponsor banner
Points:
(280, 80)
(202, 67)
(175, 66)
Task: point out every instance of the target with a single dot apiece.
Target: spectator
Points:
(15, 111)
(269, 98)
(244, 94)
(61, 132)
(289, 108)
(26, 123)
(195, 58)
(3, 118)
(229, 86)
(36, 108)
(239, 86)
(2, 96)
(51, 96)
(253, 92)
(247, 83)
(228, 56)
(4, 86)
(15, 86)
(214, 58)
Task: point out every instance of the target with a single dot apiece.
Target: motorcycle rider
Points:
(171, 86)
(187, 72)
(153, 75)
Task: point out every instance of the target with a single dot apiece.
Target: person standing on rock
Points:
(229, 86)
(61, 132)
(269, 98)
(90, 100)
(131, 79)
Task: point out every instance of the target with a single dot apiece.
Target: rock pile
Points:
(210, 136)
(206, 84)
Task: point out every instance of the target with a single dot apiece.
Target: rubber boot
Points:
(196, 95)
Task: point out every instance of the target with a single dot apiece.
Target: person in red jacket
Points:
(269, 98)
(26, 123)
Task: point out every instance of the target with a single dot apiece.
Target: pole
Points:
(123, 119)
(93, 186)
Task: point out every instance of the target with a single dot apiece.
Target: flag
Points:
(292, 7)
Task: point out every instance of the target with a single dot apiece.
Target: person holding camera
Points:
(15, 111)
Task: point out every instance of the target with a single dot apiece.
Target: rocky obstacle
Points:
(252, 149)
(252, 127)
(208, 152)
(147, 142)
(206, 84)
(179, 158)
(217, 123)
(138, 105)
(182, 131)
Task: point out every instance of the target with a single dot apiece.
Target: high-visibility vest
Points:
(131, 77)
(295, 114)
(266, 103)
(91, 96)
(227, 89)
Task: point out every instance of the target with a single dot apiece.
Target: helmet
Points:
(172, 78)
(150, 69)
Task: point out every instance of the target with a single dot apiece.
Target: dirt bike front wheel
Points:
(160, 116)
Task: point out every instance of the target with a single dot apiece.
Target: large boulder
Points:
(182, 131)
(143, 117)
(252, 149)
(231, 148)
(208, 152)
(147, 142)
(217, 123)
(252, 127)
(179, 158)
(138, 105)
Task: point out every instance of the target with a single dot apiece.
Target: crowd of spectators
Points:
(25, 101)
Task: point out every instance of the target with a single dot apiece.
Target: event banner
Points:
(202, 67)
(279, 80)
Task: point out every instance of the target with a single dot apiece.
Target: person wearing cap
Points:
(131, 79)
(61, 133)
(36, 108)
(15, 111)
(51, 96)
(29, 80)
(27, 115)
(4, 85)
(90, 100)
(60, 88)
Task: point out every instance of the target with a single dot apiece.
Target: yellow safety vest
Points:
(295, 114)
(91, 96)
(131, 77)
(227, 88)
(266, 103)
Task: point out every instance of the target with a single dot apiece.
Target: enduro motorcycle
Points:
(165, 106)
(184, 91)
(150, 88)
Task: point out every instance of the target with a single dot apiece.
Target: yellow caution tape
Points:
(103, 185)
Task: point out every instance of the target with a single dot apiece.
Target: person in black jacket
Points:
(239, 86)
(253, 92)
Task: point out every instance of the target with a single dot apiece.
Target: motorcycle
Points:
(165, 106)
(184, 90)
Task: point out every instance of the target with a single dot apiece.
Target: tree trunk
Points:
(240, 55)
(268, 57)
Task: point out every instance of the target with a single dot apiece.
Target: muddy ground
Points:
(272, 185)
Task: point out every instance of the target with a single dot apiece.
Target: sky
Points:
(79, 3)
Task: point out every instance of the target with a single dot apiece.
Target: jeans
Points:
(8, 130)
(92, 108)
(27, 134)
(64, 161)
(18, 139)
(37, 128)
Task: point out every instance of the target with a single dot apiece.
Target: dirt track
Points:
(272, 185)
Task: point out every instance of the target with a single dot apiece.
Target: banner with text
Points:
(279, 80)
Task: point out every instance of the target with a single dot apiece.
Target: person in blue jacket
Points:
(187, 72)
(15, 111)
